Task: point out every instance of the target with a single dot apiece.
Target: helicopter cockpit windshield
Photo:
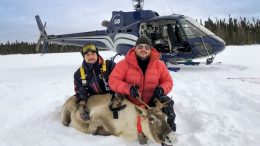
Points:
(193, 29)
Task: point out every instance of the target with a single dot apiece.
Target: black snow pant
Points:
(169, 111)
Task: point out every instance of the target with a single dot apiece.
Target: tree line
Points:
(30, 48)
(234, 31)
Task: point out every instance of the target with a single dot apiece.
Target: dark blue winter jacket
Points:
(97, 80)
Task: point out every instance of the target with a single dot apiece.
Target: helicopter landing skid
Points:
(175, 69)
(189, 62)
(175, 66)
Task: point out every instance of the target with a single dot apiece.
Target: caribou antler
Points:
(140, 100)
(161, 105)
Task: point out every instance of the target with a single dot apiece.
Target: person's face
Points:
(143, 51)
(90, 57)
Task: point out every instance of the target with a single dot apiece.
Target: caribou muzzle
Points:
(170, 139)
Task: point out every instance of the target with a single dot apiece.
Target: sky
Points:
(17, 20)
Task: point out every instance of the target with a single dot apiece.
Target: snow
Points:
(211, 109)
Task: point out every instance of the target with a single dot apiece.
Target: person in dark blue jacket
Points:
(92, 77)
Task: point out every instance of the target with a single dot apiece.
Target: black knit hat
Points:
(143, 40)
(89, 48)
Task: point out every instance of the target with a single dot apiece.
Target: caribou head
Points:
(154, 123)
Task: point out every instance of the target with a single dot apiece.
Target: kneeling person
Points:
(92, 77)
(142, 74)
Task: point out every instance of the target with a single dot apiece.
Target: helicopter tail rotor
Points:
(43, 35)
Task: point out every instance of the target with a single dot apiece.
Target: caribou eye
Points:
(152, 119)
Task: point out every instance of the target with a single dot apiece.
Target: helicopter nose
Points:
(220, 44)
(208, 45)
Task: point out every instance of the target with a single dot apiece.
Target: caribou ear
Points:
(141, 111)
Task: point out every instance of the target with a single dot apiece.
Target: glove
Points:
(82, 95)
(164, 98)
(80, 98)
(158, 92)
(134, 91)
(115, 102)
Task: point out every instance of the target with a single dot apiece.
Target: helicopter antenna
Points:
(170, 7)
(138, 4)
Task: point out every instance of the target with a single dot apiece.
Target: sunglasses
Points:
(90, 47)
(146, 47)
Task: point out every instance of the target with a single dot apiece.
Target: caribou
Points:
(152, 120)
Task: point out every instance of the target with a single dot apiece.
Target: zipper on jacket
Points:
(96, 86)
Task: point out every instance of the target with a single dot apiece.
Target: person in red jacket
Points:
(142, 72)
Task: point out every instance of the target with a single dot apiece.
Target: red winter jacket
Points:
(128, 73)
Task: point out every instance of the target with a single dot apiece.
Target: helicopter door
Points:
(174, 36)
(165, 35)
(176, 39)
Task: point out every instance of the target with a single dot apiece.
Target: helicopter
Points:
(176, 37)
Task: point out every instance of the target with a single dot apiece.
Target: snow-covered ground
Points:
(211, 109)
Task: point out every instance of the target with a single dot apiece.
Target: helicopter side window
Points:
(142, 30)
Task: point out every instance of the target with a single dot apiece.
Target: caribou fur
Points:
(101, 121)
